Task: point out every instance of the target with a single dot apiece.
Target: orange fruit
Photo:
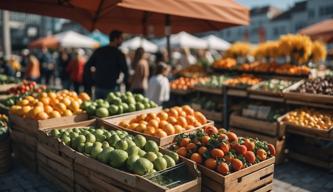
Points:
(182, 122)
(150, 116)
(55, 114)
(196, 157)
(134, 120)
(162, 115)
(210, 163)
(153, 123)
(202, 150)
(188, 110)
(182, 151)
(74, 106)
(37, 110)
(178, 129)
(52, 95)
(141, 117)
(30, 98)
(84, 96)
(45, 100)
(43, 94)
(67, 101)
(60, 107)
(200, 117)
(162, 124)
(160, 133)
(169, 129)
(189, 127)
(172, 120)
(68, 113)
(133, 126)
(39, 104)
(191, 120)
(141, 127)
(123, 124)
(173, 112)
(24, 102)
(26, 110)
(42, 116)
(191, 146)
(48, 109)
(217, 153)
(150, 130)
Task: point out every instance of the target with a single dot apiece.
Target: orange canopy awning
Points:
(140, 16)
(49, 42)
(320, 31)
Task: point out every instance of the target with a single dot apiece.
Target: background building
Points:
(268, 23)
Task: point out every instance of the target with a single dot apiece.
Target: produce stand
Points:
(212, 115)
(211, 90)
(150, 110)
(4, 87)
(113, 122)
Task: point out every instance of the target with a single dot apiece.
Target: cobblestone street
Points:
(289, 177)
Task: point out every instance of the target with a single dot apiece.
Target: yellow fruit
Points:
(52, 95)
(74, 106)
(141, 127)
(45, 100)
(84, 96)
(26, 110)
(37, 110)
(30, 98)
(55, 114)
(66, 101)
(123, 124)
(60, 107)
(40, 104)
(133, 126)
(48, 109)
(24, 102)
(43, 94)
(68, 113)
(42, 116)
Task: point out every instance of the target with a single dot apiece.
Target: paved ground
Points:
(289, 177)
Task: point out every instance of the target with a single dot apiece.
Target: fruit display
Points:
(227, 63)
(117, 103)
(238, 49)
(262, 112)
(50, 105)
(242, 81)
(170, 121)
(322, 86)
(214, 82)
(26, 86)
(184, 83)
(222, 151)
(3, 125)
(4, 79)
(118, 149)
(193, 71)
(310, 117)
(208, 104)
(274, 85)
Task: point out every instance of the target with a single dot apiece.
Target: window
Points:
(328, 10)
(228, 33)
(276, 31)
(311, 13)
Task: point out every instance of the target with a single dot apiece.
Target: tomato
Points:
(182, 151)
(184, 142)
(202, 150)
(250, 157)
(205, 139)
(217, 153)
(241, 149)
(228, 157)
(196, 157)
(236, 164)
(210, 130)
(225, 147)
(210, 163)
(232, 136)
(261, 154)
(222, 131)
(223, 168)
(223, 137)
(272, 149)
(249, 144)
(191, 147)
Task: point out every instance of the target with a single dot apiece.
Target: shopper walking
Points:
(32, 72)
(47, 65)
(106, 64)
(158, 86)
(139, 80)
(63, 61)
(75, 69)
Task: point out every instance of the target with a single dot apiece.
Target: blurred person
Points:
(159, 58)
(139, 80)
(62, 61)
(187, 58)
(159, 86)
(108, 62)
(25, 53)
(47, 65)
(32, 72)
(75, 69)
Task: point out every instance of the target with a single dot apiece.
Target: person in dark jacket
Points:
(105, 65)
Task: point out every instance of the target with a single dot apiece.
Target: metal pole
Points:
(167, 33)
(6, 34)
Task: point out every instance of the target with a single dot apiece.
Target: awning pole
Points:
(6, 34)
(167, 33)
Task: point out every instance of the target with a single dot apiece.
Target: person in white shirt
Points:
(158, 85)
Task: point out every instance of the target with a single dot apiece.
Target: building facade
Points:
(269, 23)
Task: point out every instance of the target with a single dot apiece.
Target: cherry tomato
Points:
(250, 157)
(236, 164)
(261, 154)
(225, 147)
(249, 144)
(223, 168)
(232, 136)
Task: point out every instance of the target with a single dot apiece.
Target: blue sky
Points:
(283, 4)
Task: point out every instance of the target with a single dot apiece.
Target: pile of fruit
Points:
(4, 79)
(50, 105)
(322, 86)
(117, 103)
(309, 117)
(227, 63)
(3, 125)
(243, 81)
(221, 150)
(288, 69)
(193, 71)
(184, 83)
(214, 82)
(118, 149)
(274, 85)
(170, 121)
(26, 86)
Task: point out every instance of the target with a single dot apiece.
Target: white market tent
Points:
(216, 43)
(136, 42)
(75, 40)
(184, 40)
(68, 39)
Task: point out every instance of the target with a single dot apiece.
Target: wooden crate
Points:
(306, 97)
(4, 87)
(212, 115)
(5, 155)
(212, 90)
(91, 175)
(151, 110)
(274, 129)
(278, 143)
(160, 141)
(310, 160)
(34, 125)
(258, 177)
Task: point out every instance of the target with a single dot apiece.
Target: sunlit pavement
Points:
(289, 177)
